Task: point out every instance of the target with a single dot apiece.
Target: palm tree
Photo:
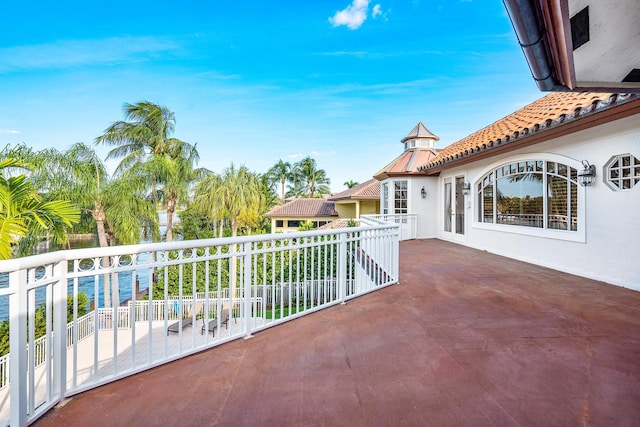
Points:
(315, 180)
(351, 183)
(119, 206)
(236, 194)
(170, 178)
(145, 138)
(280, 172)
(25, 216)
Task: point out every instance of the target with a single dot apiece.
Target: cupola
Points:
(420, 137)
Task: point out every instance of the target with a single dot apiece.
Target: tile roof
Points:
(339, 223)
(369, 190)
(304, 208)
(407, 163)
(547, 112)
(420, 131)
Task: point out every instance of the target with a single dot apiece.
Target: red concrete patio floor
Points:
(465, 338)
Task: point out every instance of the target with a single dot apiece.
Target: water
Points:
(87, 285)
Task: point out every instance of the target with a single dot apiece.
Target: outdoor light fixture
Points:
(423, 192)
(466, 188)
(587, 175)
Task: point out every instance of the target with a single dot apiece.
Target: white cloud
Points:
(376, 11)
(11, 131)
(295, 156)
(353, 16)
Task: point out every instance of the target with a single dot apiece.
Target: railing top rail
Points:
(74, 254)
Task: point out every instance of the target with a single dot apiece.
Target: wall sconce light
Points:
(587, 175)
(466, 188)
(423, 192)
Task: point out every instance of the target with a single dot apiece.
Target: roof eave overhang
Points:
(355, 199)
(495, 148)
(387, 175)
(543, 30)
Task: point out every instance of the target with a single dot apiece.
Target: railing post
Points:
(247, 289)
(342, 267)
(18, 340)
(60, 328)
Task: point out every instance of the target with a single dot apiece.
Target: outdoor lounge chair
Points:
(186, 319)
(212, 324)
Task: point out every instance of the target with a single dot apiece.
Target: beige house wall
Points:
(355, 208)
(285, 222)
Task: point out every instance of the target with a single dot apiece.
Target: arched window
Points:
(530, 193)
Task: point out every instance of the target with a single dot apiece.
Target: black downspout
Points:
(529, 28)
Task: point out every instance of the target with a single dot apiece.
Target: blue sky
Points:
(254, 81)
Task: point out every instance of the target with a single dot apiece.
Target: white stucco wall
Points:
(607, 250)
(424, 208)
(613, 49)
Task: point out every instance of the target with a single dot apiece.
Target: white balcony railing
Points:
(275, 278)
(408, 223)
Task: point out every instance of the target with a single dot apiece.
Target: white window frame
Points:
(384, 196)
(396, 199)
(633, 169)
(574, 236)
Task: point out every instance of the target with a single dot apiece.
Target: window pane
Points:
(574, 174)
(551, 167)
(557, 203)
(520, 200)
(385, 198)
(574, 206)
(487, 204)
(400, 199)
(562, 170)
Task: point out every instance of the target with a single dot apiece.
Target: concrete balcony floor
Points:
(465, 338)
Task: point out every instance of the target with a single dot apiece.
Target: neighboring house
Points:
(293, 213)
(580, 44)
(362, 199)
(557, 183)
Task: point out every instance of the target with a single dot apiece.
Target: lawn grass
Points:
(284, 311)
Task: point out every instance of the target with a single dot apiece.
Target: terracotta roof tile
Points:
(339, 223)
(549, 111)
(304, 208)
(369, 190)
(407, 162)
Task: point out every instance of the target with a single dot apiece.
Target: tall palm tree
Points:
(25, 216)
(170, 179)
(351, 183)
(119, 206)
(280, 172)
(235, 194)
(145, 136)
(315, 180)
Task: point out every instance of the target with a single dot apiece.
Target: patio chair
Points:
(211, 324)
(187, 320)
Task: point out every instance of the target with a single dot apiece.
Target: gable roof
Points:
(304, 208)
(420, 131)
(369, 190)
(519, 128)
